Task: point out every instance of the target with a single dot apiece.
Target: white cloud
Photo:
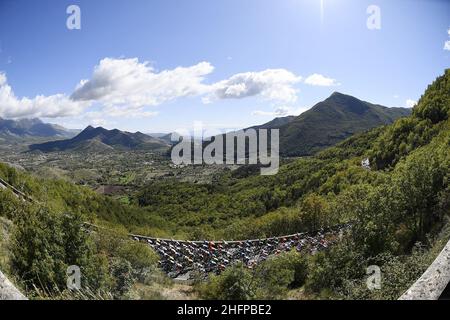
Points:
(271, 84)
(131, 84)
(127, 88)
(278, 112)
(281, 111)
(410, 103)
(58, 105)
(99, 122)
(320, 80)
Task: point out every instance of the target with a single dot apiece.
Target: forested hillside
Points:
(282, 203)
(327, 123)
(331, 121)
(399, 210)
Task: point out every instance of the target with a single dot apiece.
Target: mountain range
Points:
(325, 124)
(24, 128)
(329, 122)
(100, 139)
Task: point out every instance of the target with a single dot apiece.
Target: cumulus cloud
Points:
(131, 84)
(281, 111)
(410, 103)
(271, 84)
(320, 80)
(278, 112)
(99, 122)
(58, 105)
(128, 88)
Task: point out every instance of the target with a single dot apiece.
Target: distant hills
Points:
(329, 122)
(100, 139)
(25, 128)
(325, 124)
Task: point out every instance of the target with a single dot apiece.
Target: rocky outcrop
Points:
(8, 291)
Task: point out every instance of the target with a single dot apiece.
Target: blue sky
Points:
(160, 65)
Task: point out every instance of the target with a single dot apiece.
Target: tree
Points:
(235, 283)
(419, 181)
(314, 211)
(38, 250)
(122, 271)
